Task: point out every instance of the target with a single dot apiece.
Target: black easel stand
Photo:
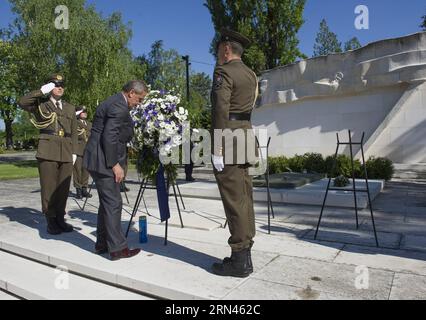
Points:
(142, 189)
(122, 185)
(353, 189)
(90, 190)
(270, 206)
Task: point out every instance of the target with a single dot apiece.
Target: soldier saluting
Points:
(56, 152)
(233, 97)
(80, 174)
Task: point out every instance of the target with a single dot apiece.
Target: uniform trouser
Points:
(236, 190)
(109, 231)
(55, 181)
(80, 174)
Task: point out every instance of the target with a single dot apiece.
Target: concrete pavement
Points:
(343, 264)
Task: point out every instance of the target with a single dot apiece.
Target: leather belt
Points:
(54, 133)
(240, 116)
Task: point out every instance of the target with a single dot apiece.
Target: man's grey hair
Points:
(138, 86)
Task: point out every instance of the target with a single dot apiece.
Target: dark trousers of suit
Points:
(109, 231)
(189, 168)
(80, 174)
(236, 190)
(55, 180)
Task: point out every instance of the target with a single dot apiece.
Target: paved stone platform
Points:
(289, 264)
(309, 194)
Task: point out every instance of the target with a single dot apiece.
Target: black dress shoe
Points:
(101, 250)
(125, 253)
(60, 221)
(190, 179)
(52, 227)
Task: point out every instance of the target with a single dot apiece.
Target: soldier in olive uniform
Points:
(57, 148)
(233, 96)
(80, 174)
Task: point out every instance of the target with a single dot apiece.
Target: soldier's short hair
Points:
(236, 48)
(138, 86)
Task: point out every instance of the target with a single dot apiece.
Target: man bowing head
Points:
(104, 157)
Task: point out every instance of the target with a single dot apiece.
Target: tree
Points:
(165, 70)
(271, 25)
(423, 25)
(92, 54)
(326, 41)
(352, 44)
(8, 87)
(199, 107)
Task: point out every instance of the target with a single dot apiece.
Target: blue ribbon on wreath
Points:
(162, 195)
(162, 192)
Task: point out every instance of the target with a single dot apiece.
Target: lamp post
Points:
(186, 59)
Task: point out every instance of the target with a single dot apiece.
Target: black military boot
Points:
(79, 194)
(250, 263)
(60, 221)
(236, 266)
(52, 226)
(85, 194)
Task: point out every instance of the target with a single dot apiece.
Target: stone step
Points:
(178, 271)
(6, 296)
(35, 281)
(410, 171)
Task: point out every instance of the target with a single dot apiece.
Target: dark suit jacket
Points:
(112, 129)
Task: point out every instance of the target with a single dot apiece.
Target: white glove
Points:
(47, 88)
(74, 159)
(218, 163)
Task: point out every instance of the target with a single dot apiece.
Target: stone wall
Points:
(378, 89)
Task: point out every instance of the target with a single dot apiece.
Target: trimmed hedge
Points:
(377, 168)
(380, 167)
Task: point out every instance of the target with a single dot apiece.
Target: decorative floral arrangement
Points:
(158, 124)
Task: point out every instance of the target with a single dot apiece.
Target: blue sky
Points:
(185, 25)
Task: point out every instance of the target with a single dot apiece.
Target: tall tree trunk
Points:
(8, 120)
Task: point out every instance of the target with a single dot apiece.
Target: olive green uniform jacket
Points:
(53, 147)
(234, 91)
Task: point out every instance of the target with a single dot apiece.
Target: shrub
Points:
(341, 182)
(343, 166)
(314, 162)
(377, 168)
(277, 164)
(380, 168)
(297, 163)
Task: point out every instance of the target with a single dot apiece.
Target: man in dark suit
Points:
(104, 157)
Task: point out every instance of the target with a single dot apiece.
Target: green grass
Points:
(18, 170)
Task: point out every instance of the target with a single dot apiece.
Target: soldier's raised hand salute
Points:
(47, 88)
